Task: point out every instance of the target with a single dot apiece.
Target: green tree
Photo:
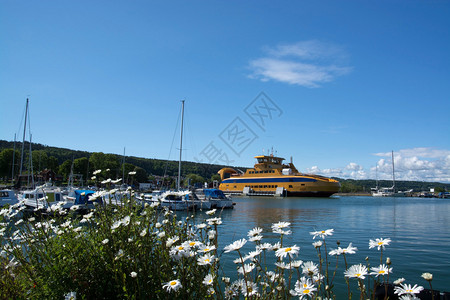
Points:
(40, 160)
(141, 175)
(80, 166)
(108, 163)
(192, 179)
(52, 163)
(64, 169)
(215, 177)
(6, 161)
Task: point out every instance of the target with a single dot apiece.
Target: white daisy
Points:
(206, 259)
(381, 270)
(317, 244)
(356, 271)
(249, 289)
(398, 281)
(264, 246)
(208, 280)
(304, 287)
(310, 268)
(322, 233)
(206, 248)
(247, 268)
(379, 243)
(255, 238)
(254, 232)
(291, 251)
(281, 225)
(350, 249)
(211, 212)
(236, 245)
(282, 265)
(172, 285)
(407, 289)
(171, 241)
(214, 221)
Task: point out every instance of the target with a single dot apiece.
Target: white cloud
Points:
(417, 164)
(307, 63)
(419, 152)
(354, 167)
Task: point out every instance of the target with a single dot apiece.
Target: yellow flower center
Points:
(358, 274)
(409, 291)
(207, 260)
(323, 231)
(380, 243)
(180, 248)
(305, 291)
(305, 285)
(288, 249)
(173, 283)
(206, 250)
(381, 272)
(192, 244)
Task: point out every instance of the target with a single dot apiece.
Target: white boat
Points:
(198, 200)
(175, 200)
(43, 197)
(389, 191)
(215, 197)
(8, 197)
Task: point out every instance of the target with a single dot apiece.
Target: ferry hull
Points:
(270, 177)
(292, 186)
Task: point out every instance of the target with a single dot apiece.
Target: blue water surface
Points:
(418, 227)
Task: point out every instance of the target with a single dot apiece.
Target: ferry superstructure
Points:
(270, 176)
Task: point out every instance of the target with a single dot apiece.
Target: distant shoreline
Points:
(353, 194)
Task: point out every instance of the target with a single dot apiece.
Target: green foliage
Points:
(111, 253)
(6, 161)
(193, 179)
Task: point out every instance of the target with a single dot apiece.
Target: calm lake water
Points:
(418, 227)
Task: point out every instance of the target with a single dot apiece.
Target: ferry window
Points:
(266, 171)
(41, 196)
(290, 186)
(260, 186)
(276, 186)
(234, 186)
(57, 197)
(265, 186)
(303, 184)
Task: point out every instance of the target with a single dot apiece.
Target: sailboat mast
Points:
(393, 171)
(14, 161)
(123, 165)
(181, 145)
(31, 166)
(23, 140)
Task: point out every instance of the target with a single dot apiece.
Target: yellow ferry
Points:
(271, 177)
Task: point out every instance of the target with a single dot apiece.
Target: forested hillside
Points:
(84, 163)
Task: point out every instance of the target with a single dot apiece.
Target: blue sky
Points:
(336, 85)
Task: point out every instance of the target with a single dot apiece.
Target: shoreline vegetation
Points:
(58, 163)
(138, 250)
